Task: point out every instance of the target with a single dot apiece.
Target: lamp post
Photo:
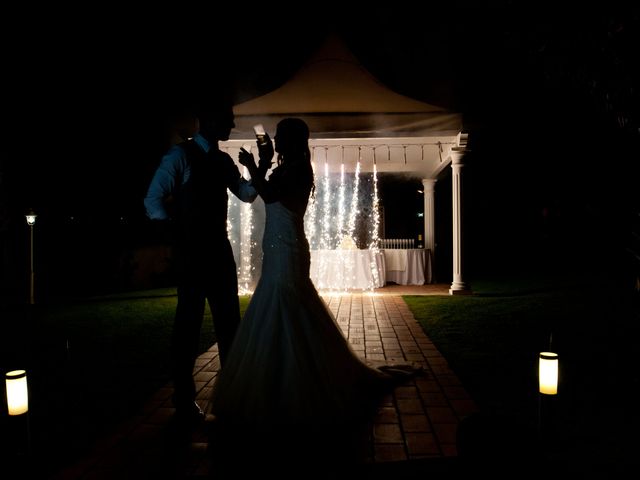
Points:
(31, 221)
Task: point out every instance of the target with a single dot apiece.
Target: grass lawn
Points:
(492, 340)
(93, 362)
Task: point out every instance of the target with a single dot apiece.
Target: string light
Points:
(374, 244)
(325, 238)
(310, 217)
(341, 196)
(353, 212)
(245, 276)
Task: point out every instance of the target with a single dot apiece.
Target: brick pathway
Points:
(418, 422)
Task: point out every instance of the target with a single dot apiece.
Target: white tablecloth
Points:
(347, 269)
(408, 266)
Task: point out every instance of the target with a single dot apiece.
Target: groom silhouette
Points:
(192, 181)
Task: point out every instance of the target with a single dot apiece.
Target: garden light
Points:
(548, 373)
(17, 394)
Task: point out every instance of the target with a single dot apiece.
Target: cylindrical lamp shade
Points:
(548, 373)
(17, 394)
(31, 219)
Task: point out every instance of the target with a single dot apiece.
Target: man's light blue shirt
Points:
(175, 168)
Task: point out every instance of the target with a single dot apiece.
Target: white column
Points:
(458, 286)
(429, 233)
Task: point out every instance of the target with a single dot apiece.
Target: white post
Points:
(458, 287)
(429, 233)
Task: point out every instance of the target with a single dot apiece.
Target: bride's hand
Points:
(265, 153)
(245, 158)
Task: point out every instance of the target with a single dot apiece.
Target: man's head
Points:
(215, 120)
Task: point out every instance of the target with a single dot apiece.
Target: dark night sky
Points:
(549, 95)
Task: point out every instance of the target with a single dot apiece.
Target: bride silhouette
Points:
(291, 380)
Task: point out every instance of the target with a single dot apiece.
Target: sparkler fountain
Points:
(339, 204)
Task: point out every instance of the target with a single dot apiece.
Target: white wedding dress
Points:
(290, 365)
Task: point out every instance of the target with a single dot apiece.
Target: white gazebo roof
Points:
(352, 116)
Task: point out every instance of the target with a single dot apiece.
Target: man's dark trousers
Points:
(210, 276)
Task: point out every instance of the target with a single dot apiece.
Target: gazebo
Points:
(360, 127)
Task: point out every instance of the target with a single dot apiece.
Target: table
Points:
(347, 269)
(408, 266)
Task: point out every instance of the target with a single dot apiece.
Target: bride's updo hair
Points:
(292, 139)
(292, 145)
